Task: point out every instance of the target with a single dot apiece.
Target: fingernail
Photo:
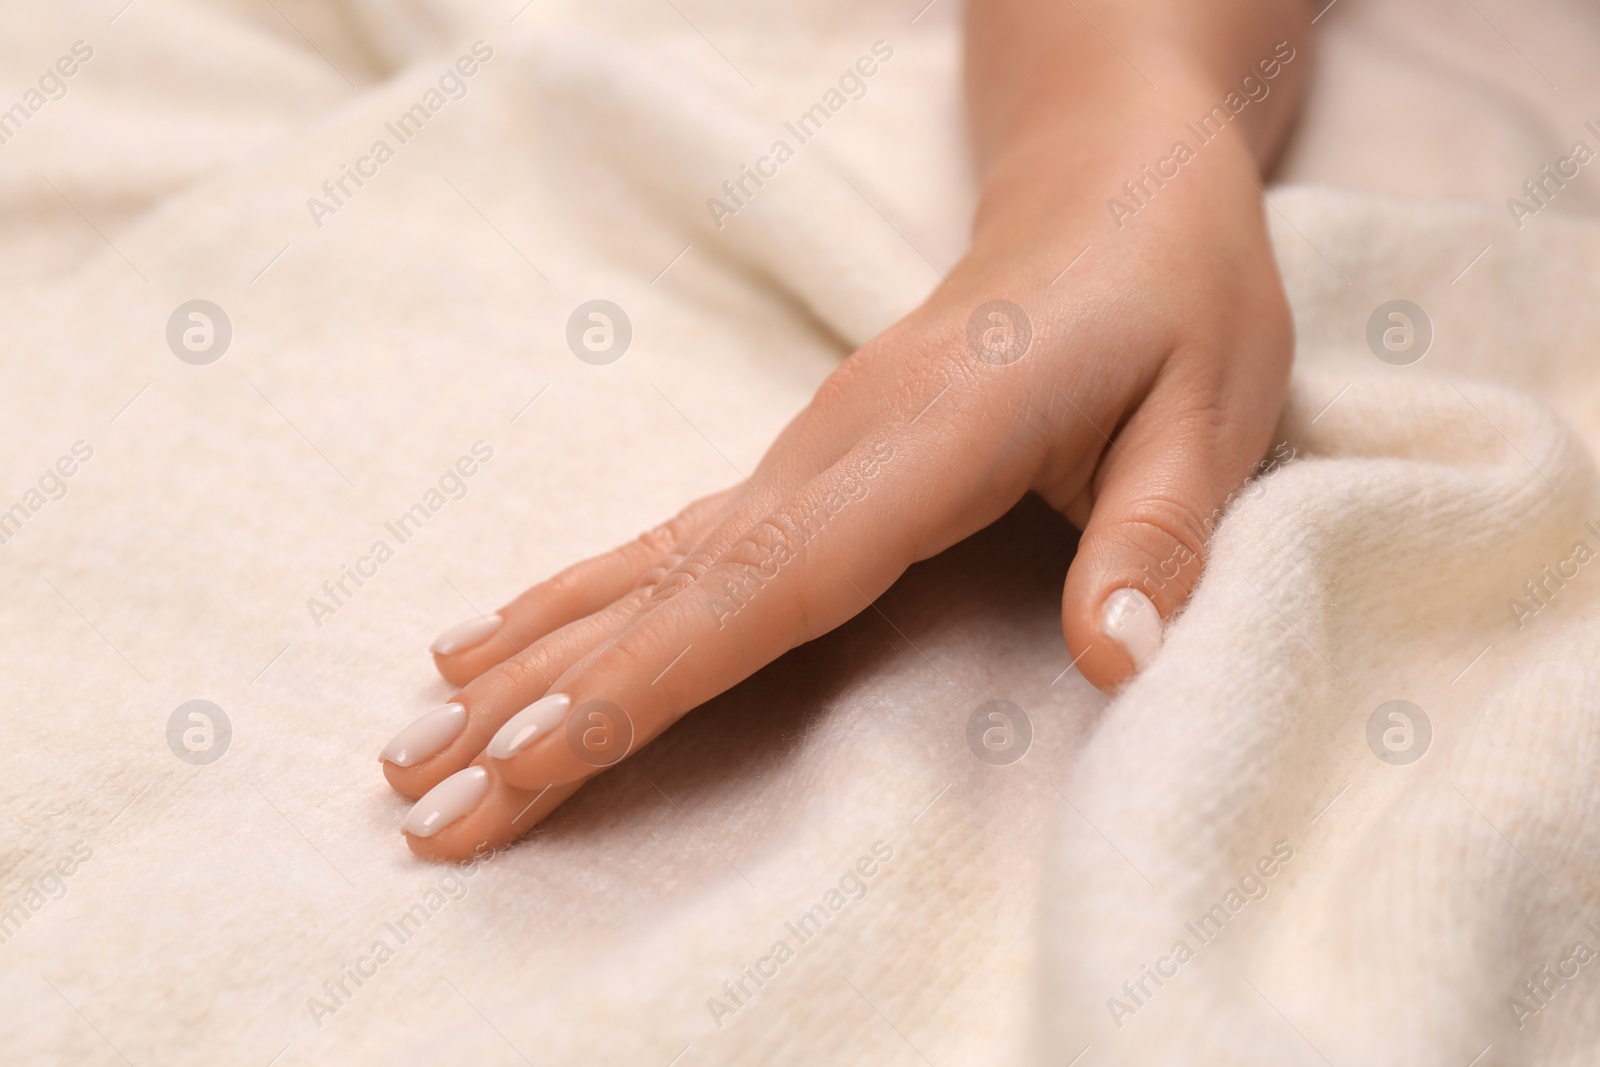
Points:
(468, 635)
(447, 802)
(535, 720)
(1130, 619)
(425, 738)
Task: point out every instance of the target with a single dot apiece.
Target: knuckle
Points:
(628, 655)
(751, 570)
(732, 586)
(670, 537)
(664, 566)
(523, 673)
(680, 574)
(829, 394)
(674, 568)
(660, 540)
(755, 556)
(639, 652)
(1169, 535)
(564, 593)
(838, 386)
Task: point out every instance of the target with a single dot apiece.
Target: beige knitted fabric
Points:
(187, 530)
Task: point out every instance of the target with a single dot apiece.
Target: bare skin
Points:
(1155, 375)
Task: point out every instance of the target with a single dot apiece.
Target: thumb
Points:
(1161, 488)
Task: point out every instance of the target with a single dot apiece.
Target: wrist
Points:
(1061, 175)
(1068, 157)
(1103, 117)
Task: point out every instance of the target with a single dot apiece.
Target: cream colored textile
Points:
(933, 907)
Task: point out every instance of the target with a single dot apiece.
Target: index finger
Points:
(807, 567)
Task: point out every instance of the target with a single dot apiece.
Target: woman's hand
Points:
(1129, 368)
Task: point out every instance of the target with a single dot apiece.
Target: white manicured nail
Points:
(425, 738)
(537, 719)
(1130, 619)
(447, 802)
(468, 635)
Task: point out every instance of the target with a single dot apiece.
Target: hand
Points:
(1150, 387)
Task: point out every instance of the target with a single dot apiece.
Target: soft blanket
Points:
(273, 268)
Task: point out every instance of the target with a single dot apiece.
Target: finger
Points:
(809, 566)
(475, 810)
(446, 740)
(1159, 492)
(450, 737)
(465, 651)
